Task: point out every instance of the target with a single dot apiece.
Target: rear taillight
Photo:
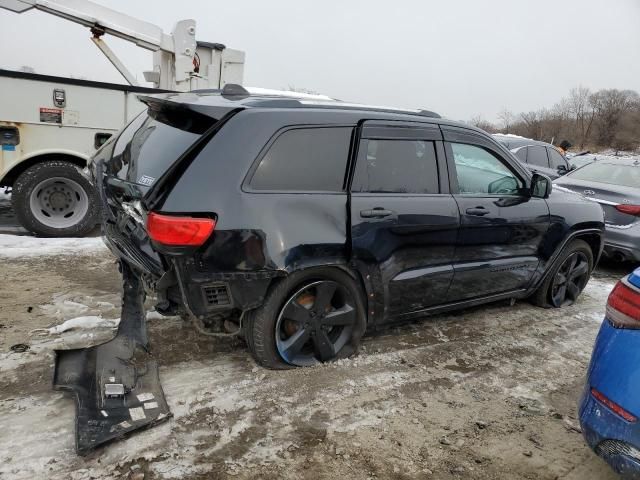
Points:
(613, 406)
(623, 306)
(179, 231)
(629, 209)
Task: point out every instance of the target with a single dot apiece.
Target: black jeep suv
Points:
(301, 223)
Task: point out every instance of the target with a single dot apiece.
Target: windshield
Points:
(611, 173)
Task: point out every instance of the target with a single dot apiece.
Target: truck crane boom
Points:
(173, 59)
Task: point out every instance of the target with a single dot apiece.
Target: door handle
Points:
(478, 211)
(376, 213)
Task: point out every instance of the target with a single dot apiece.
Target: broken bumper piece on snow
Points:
(116, 384)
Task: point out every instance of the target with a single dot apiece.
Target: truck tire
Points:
(55, 199)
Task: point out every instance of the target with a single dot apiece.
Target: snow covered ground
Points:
(485, 393)
(21, 246)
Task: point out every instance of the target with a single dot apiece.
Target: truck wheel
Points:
(567, 279)
(308, 318)
(55, 199)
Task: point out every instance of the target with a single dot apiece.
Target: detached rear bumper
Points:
(116, 384)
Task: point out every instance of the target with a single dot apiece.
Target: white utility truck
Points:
(51, 126)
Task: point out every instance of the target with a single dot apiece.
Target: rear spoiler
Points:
(190, 117)
(203, 109)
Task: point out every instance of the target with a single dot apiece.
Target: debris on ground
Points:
(464, 378)
(87, 323)
(19, 347)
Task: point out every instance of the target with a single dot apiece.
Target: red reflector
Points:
(183, 231)
(623, 306)
(629, 209)
(614, 407)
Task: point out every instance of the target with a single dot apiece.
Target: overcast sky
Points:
(461, 58)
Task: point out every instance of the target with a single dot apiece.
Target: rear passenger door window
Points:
(305, 160)
(480, 172)
(537, 156)
(396, 166)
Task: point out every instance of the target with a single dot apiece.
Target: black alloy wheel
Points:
(315, 323)
(570, 280)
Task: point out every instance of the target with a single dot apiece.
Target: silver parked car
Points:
(615, 185)
(536, 155)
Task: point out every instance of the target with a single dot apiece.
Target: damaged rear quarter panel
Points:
(259, 231)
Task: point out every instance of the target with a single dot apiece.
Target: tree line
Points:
(607, 118)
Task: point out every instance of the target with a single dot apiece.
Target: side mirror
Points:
(541, 186)
(562, 169)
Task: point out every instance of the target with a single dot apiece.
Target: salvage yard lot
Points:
(485, 393)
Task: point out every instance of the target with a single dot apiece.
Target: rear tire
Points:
(268, 327)
(570, 275)
(55, 199)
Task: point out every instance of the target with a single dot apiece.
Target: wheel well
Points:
(594, 241)
(341, 267)
(351, 271)
(17, 170)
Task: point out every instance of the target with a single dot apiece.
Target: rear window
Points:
(149, 146)
(305, 160)
(614, 174)
(396, 166)
(521, 153)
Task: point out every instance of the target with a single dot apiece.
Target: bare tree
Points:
(506, 119)
(533, 124)
(581, 108)
(610, 106)
(606, 118)
(478, 121)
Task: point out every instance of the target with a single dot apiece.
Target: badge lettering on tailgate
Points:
(146, 180)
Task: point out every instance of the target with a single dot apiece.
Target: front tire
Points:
(568, 278)
(308, 318)
(55, 199)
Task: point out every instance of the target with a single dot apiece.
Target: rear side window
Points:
(537, 156)
(305, 159)
(556, 159)
(396, 166)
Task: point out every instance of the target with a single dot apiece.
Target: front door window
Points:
(480, 172)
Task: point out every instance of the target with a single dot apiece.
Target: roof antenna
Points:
(235, 90)
(429, 113)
